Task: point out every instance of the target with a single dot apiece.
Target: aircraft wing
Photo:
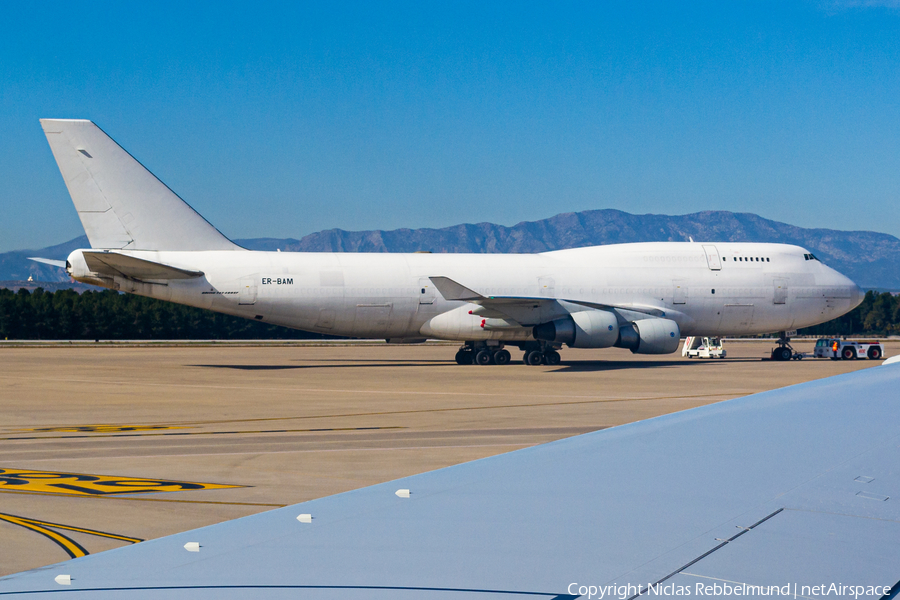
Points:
(115, 263)
(789, 488)
(520, 307)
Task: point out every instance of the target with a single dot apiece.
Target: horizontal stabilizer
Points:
(115, 264)
(49, 261)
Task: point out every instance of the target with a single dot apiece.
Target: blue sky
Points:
(281, 119)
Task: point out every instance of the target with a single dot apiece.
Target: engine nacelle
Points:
(585, 329)
(77, 268)
(650, 336)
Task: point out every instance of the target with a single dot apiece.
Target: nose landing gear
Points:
(785, 351)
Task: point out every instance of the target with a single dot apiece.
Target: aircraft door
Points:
(781, 290)
(547, 287)
(247, 291)
(426, 291)
(712, 258)
(736, 318)
(681, 292)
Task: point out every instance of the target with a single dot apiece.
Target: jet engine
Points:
(601, 329)
(585, 329)
(650, 336)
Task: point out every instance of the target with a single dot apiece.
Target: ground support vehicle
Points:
(703, 347)
(835, 349)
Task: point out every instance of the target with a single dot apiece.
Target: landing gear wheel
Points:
(874, 353)
(535, 357)
(848, 354)
(464, 357)
(782, 353)
(502, 357)
(483, 357)
(552, 357)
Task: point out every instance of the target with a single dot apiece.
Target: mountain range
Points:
(869, 258)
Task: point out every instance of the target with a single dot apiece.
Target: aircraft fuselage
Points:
(708, 289)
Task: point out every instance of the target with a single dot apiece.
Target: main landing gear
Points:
(785, 351)
(541, 356)
(480, 353)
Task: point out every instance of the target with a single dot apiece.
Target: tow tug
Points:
(837, 349)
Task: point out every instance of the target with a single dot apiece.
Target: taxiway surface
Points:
(101, 446)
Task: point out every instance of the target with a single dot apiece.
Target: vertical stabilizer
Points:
(120, 203)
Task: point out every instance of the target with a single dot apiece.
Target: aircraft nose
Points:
(845, 285)
(856, 295)
(854, 291)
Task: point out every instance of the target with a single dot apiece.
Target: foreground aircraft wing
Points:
(115, 263)
(512, 306)
(789, 488)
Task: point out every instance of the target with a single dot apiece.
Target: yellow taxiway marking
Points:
(133, 499)
(80, 484)
(72, 548)
(100, 428)
(170, 433)
(392, 392)
(594, 400)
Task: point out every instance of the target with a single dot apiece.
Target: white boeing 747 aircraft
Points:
(643, 297)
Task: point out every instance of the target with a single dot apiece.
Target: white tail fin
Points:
(120, 203)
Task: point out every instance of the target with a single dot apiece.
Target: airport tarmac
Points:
(102, 446)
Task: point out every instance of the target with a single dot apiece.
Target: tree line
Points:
(109, 315)
(879, 314)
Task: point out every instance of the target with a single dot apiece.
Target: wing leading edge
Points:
(520, 308)
(794, 487)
